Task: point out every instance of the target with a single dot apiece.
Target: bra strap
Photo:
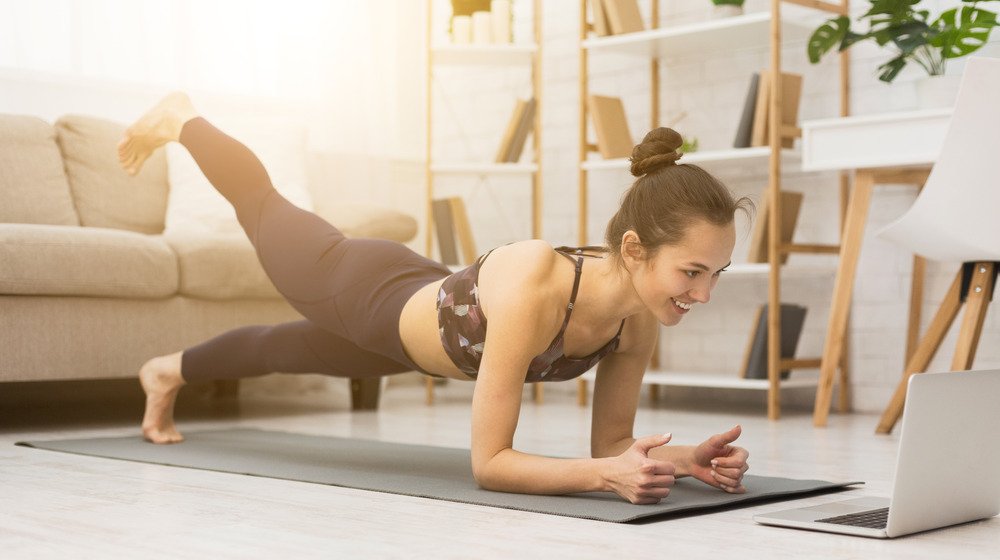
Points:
(572, 297)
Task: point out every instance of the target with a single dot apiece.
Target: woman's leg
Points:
(298, 250)
(298, 347)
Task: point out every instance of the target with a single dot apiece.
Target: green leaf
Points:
(826, 36)
(909, 36)
(889, 70)
(963, 30)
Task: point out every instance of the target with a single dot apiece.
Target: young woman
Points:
(374, 308)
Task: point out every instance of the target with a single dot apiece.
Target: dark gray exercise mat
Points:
(439, 473)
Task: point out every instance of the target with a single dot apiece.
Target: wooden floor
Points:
(60, 505)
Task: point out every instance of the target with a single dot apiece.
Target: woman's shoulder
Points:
(523, 269)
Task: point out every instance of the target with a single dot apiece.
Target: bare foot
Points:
(161, 380)
(159, 125)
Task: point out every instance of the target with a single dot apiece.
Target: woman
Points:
(374, 308)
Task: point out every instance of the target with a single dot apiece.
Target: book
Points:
(744, 130)
(463, 229)
(791, 94)
(445, 229)
(758, 133)
(792, 318)
(599, 18)
(525, 125)
(608, 116)
(519, 126)
(623, 16)
(791, 202)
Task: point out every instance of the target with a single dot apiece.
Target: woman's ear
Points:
(632, 251)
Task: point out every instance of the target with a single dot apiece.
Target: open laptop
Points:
(946, 450)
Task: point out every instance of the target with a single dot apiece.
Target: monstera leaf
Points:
(963, 30)
(826, 36)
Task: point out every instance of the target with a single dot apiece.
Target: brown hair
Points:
(667, 198)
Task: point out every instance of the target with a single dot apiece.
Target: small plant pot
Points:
(937, 92)
(726, 10)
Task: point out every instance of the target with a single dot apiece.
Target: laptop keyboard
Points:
(874, 519)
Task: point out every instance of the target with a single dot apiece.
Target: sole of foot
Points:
(159, 125)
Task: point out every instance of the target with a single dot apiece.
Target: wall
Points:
(471, 108)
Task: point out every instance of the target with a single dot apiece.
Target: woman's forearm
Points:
(523, 473)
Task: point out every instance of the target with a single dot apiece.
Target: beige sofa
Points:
(91, 287)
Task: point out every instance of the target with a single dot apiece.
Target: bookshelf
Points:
(499, 56)
(783, 21)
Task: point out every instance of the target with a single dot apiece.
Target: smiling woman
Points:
(375, 308)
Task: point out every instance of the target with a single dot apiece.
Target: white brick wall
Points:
(471, 108)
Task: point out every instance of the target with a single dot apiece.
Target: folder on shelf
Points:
(791, 202)
(623, 16)
(608, 116)
(791, 93)
(744, 131)
(519, 126)
(599, 18)
(755, 362)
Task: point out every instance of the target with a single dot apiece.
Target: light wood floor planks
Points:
(58, 505)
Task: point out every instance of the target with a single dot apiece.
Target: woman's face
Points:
(682, 276)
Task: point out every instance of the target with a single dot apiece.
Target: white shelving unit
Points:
(787, 21)
(497, 56)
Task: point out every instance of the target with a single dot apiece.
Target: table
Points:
(895, 148)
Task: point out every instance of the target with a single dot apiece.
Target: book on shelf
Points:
(454, 232)
(463, 229)
(521, 124)
(791, 93)
(744, 131)
(791, 202)
(445, 229)
(623, 16)
(599, 18)
(755, 358)
(608, 116)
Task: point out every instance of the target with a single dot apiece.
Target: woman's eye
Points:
(692, 273)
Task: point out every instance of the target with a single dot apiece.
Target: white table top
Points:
(909, 138)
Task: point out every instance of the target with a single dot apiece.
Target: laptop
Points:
(947, 447)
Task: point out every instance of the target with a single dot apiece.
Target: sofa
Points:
(92, 284)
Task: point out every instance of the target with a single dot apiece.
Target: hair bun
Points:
(656, 151)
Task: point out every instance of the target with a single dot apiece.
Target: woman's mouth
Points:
(680, 306)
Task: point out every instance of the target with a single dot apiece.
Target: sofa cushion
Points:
(365, 220)
(81, 261)
(219, 266)
(33, 184)
(104, 194)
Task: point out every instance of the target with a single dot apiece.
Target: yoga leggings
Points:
(351, 291)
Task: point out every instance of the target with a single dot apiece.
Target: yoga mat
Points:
(438, 473)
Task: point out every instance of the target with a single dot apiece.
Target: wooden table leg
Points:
(976, 303)
(850, 247)
(429, 387)
(924, 352)
(581, 392)
(916, 301)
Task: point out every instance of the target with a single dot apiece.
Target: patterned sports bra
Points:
(462, 326)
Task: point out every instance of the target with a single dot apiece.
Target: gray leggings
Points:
(351, 291)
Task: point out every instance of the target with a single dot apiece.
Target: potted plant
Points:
(911, 33)
(727, 8)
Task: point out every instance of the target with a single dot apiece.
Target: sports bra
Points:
(462, 326)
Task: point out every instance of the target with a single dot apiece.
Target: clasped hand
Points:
(642, 479)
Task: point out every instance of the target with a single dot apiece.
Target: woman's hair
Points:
(666, 198)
